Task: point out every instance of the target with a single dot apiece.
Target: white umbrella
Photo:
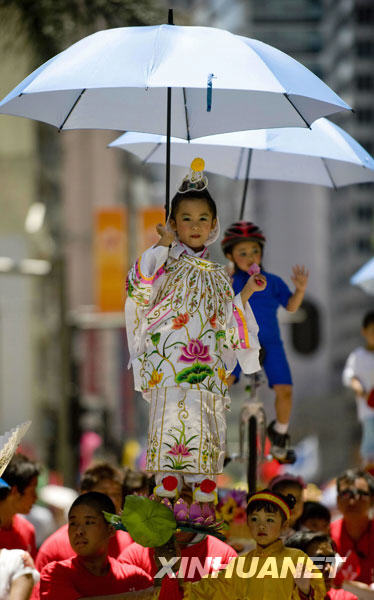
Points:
(364, 277)
(324, 155)
(118, 79)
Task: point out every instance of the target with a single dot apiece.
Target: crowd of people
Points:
(87, 558)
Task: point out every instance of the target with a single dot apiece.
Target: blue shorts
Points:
(276, 365)
(367, 442)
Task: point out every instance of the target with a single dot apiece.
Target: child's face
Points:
(193, 223)
(265, 527)
(244, 254)
(89, 533)
(368, 334)
(25, 500)
(317, 524)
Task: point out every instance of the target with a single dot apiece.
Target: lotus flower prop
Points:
(152, 523)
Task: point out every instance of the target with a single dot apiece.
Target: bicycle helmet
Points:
(240, 231)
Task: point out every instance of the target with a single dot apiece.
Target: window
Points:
(365, 48)
(363, 245)
(365, 82)
(364, 14)
(305, 335)
(364, 115)
(364, 212)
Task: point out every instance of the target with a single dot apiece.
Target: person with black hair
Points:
(353, 534)
(270, 571)
(91, 572)
(358, 375)
(315, 517)
(285, 484)
(18, 496)
(185, 330)
(243, 244)
(320, 548)
(98, 477)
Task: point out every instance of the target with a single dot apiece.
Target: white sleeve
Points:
(152, 259)
(241, 335)
(16, 567)
(349, 370)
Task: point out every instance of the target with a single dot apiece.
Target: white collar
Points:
(178, 248)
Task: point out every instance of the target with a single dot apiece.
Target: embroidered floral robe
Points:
(185, 331)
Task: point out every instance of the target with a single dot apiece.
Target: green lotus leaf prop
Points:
(148, 522)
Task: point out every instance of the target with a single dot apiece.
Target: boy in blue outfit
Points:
(243, 244)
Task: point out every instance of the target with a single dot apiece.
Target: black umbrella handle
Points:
(168, 135)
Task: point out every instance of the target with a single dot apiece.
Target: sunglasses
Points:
(353, 493)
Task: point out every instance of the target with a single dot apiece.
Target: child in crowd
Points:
(358, 375)
(17, 496)
(99, 477)
(91, 572)
(243, 244)
(315, 517)
(290, 484)
(186, 330)
(269, 572)
(319, 546)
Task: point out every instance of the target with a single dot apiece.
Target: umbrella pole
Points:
(168, 135)
(246, 181)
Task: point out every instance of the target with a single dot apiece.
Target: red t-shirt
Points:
(57, 547)
(208, 547)
(360, 552)
(70, 580)
(340, 595)
(21, 535)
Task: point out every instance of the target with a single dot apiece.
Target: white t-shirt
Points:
(360, 364)
(12, 567)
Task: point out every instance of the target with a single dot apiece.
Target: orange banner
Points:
(110, 258)
(148, 218)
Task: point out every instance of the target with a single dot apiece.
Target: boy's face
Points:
(354, 499)
(368, 334)
(265, 527)
(23, 502)
(89, 533)
(245, 253)
(193, 223)
(317, 524)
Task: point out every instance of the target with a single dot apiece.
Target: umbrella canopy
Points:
(117, 79)
(364, 277)
(324, 155)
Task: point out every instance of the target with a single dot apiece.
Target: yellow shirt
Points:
(262, 574)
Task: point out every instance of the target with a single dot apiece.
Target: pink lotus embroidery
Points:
(195, 350)
(179, 450)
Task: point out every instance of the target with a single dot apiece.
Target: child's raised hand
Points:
(300, 277)
(167, 237)
(257, 282)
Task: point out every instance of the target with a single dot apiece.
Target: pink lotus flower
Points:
(195, 350)
(204, 515)
(179, 450)
(181, 510)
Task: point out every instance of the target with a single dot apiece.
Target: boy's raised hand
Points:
(167, 237)
(300, 277)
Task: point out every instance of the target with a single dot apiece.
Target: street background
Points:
(85, 212)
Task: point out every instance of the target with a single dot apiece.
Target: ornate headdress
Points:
(195, 180)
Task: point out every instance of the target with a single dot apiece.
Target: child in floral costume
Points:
(185, 331)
